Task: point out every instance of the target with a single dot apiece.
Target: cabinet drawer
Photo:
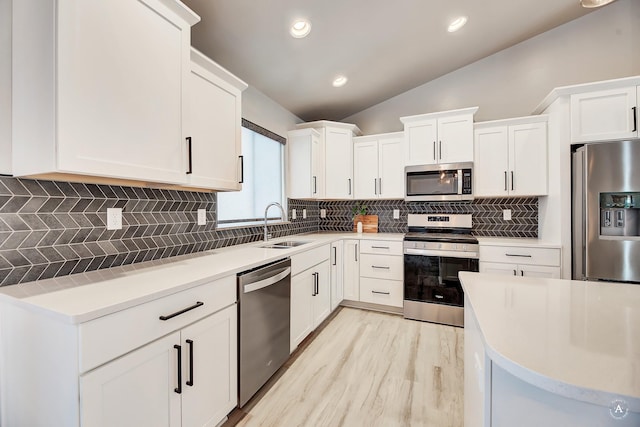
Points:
(380, 247)
(520, 255)
(380, 291)
(108, 337)
(381, 266)
(302, 261)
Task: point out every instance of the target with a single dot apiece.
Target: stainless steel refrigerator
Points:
(606, 211)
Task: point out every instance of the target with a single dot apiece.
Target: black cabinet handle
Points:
(515, 273)
(349, 186)
(184, 310)
(375, 185)
(179, 388)
(635, 119)
(381, 293)
(512, 181)
(190, 171)
(440, 150)
(317, 283)
(434, 150)
(241, 170)
(313, 292)
(190, 381)
(380, 247)
(505, 180)
(518, 255)
(380, 185)
(315, 185)
(380, 267)
(522, 272)
(356, 252)
(335, 255)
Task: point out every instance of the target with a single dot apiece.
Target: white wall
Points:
(599, 46)
(5, 86)
(263, 111)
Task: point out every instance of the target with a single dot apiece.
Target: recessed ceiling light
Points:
(456, 24)
(339, 81)
(301, 28)
(594, 3)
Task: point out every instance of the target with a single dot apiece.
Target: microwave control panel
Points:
(466, 181)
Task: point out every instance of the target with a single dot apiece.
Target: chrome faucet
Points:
(284, 217)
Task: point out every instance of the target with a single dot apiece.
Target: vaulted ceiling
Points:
(383, 47)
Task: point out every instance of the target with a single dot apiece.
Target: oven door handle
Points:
(450, 254)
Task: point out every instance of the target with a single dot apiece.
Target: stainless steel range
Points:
(436, 248)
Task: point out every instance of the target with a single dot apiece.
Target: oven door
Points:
(435, 279)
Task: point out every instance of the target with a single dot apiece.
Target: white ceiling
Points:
(383, 47)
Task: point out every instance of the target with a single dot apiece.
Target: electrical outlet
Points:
(202, 217)
(396, 214)
(304, 214)
(506, 214)
(323, 213)
(114, 218)
(294, 214)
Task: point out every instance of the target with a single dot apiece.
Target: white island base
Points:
(553, 353)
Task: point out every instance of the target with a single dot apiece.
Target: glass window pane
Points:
(263, 181)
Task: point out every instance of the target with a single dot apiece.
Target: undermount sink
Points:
(284, 245)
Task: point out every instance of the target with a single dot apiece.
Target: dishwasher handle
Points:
(250, 287)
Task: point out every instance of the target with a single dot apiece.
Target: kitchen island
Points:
(551, 352)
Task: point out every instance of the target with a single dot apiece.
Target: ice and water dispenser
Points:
(620, 214)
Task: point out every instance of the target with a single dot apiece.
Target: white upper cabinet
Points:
(305, 176)
(214, 126)
(443, 137)
(378, 166)
(99, 89)
(334, 178)
(511, 157)
(605, 115)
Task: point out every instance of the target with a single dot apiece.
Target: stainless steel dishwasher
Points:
(264, 315)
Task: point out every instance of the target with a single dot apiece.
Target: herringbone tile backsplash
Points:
(50, 229)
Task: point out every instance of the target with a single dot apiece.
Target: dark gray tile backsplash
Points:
(50, 229)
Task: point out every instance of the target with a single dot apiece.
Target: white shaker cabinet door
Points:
(214, 128)
(491, 165)
(391, 168)
(338, 145)
(351, 270)
(138, 389)
(604, 115)
(301, 307)
(528, 159)
(365, 167)
(337, 278)
(542, 271)
(322, 298)
(455, 139)
(498, 268)
(421, 141)
(122, 68)
(210, 369)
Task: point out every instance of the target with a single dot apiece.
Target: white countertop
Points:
(516, 241)
(82, 297)
(573, 338)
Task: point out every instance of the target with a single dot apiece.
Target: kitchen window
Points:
(263, 154)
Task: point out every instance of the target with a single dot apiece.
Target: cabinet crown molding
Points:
(435, 115)
(514, 121)
(218, 70)
(326, 123)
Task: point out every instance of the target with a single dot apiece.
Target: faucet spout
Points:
(284, 217)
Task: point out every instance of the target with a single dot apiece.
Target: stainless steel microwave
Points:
(444, 182)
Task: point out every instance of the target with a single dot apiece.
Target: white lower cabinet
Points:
(351, 270)
(310, 293)
(337, 273)
(187, 378)
(171, 361)
(520, 261)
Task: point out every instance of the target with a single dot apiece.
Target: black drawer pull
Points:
(241, 170)
(190, 381)
(380, 267)
(635, 119)
(184, 310)
(518, 255)
(379, 247)
(179, 388)
(190, 171)
(381, 293)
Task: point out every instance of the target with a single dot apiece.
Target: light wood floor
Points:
(366, 368)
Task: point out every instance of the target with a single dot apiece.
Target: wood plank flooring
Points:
(366, 368)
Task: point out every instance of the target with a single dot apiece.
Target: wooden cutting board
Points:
(369, 223)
